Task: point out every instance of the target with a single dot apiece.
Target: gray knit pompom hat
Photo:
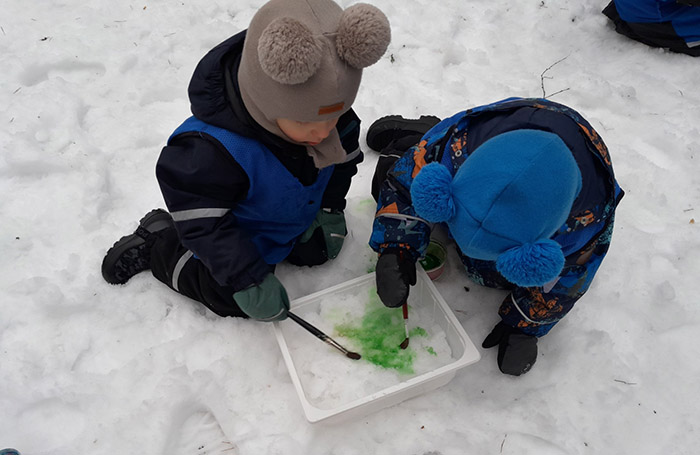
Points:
(303, 60)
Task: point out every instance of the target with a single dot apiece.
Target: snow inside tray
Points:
(330, 385)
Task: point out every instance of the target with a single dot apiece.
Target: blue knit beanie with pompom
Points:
(505, 202)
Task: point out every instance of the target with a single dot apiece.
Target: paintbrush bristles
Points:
(354, 355)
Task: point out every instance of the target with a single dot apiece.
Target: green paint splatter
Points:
(417, 332)
(367, 202)
(379, 334)
(372, 262)
(431, 350)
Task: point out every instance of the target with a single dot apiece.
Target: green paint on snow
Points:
(367, 202)
(417, 332)
(379, 334)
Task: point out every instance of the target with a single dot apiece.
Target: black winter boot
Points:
(387, 129)
(132, 253)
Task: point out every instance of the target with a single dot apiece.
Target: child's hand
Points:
(331, 224)
(322, 240)
(396, 272)
(267, 301)
(517, 352)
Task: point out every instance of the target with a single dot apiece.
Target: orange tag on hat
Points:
(323, 110)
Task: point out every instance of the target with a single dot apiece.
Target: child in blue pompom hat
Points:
(527, 191)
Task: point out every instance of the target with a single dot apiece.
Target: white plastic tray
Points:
(434, 311)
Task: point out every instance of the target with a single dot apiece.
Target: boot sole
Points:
(113, 254)
(132, 241)
(397, 123)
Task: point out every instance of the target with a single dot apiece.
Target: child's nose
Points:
(324, 130)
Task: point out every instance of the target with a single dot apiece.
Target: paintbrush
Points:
(404, 343)
(322, 336)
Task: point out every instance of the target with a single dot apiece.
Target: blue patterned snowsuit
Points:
(584, 238)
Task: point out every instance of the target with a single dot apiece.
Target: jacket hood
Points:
(209, 101)
(215, 97)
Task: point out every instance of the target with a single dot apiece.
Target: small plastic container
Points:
(433, 262)
(426, 304)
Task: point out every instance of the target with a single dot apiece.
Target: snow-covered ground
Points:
(89, 93)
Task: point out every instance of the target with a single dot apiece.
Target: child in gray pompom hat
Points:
(303, 60)
(259, 173)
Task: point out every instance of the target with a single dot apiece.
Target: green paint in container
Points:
(379, 334)
(433, 261)
(430, 261)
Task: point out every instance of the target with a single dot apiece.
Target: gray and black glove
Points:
(322, 240)
(396, 273)
(517, 351)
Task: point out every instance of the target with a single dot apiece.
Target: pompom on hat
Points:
(505, 202)
(303, 59)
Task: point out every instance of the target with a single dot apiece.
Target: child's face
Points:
(310, 133)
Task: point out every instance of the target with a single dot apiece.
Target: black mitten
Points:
(321, 241)
(311, 252)
(396, 272)
(517, 351)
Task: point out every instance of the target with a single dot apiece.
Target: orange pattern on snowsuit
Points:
(459, 144)
(391, 208)
(585, 219)
(419, 158)
(540, 309)
(597, 143)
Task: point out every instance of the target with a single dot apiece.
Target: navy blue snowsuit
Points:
(673, 24)
(210, 182)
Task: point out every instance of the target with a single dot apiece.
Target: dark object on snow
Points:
(391, 136)
(396, 272)
(517, 352)
(671, 25)
(131, 254)
(386, 129)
